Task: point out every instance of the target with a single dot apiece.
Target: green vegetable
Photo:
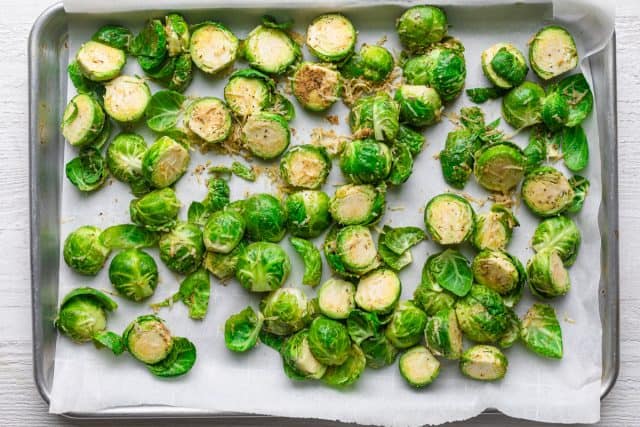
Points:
(331, 37)
(148, 339)
(391, 259)
(378, 351)
(134, 274)
(442, 334)
(110, 340)
(305, 166)
(362, 325)
(484, 363)
(419, 105)
(480, 95)
(285, 310)
(375, 115)
(266, 135)
(164, 111)
(357, 204)
(349, 372)
(336, 298)
(178, 362)
(84, 251)
(270, 50)
(316, 87)
(126, 98)
(165, 162)
(401, 239)
(548, 277)
(555, 111)
(194, 292)
(265, 218)
(307, 213)
(213, 47)
(552, 52)
(243, 171)
(178, 35)
(366, 161)
(249, 91)
(128, 236)
(124, 157)
(451, 271)
(241, 330)
(155, 211)
(457, 158)
(522, 105)
(541, 332)
(356, 250)
(209, 119)
(575, 148)
(410, 138)
(559, 234)
(262, 267)
(182, 248)
(420, 26)
(406, 326)
(536, 150)
(217, 194)
(115, 36)
(500, 272)
(546, 191)
(504, 65)
(198, 214)
(449, 219)
(82, 120)
(223, 231)
(299, 362)
(82, 84)
(83, 314)
(372, 62)
(311, 258)
(442, 68)
(418, 366)
(378, 291)
(492, 230)
(88, 171)
(580, 186)
(223, 266)
(513, 330)
(482, 315)
(499, 167)
(99, 61)
(329, 341)
(575, 90)
(150, 45)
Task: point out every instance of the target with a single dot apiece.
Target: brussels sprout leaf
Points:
(393, 260)
(113, 35)
(243, 171)
(398, 240)
(481, 95)
(178, 362)
(241, 330)
(575, 148)
(580, 187)
(270, 21)
(87, 171)
(276, 342)
(194, 293)
(83, 84)
(128, 236)
(110, 340)
(311, 258)
(450, 269)
(164, 110)
(362, 325)
(541, 331)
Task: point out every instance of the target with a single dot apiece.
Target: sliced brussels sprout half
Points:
(493, 229)
(331, 254)
(378, 291)
(406, 326)
(482, 315)
(124, 156)
(329, 341)
(522, 105)
(420, 26)
(84, 251)
(379, 351)
(126, 98)
(82, 121)
(266, 135)
(307, 213)
(223, 231)
(375, 116)
(418, 366)
(443, 335)
(555, 111)
(504, 65)
(552, 52)
(213, 47)
(336, 298)
(575, 90)
(357, 204)
(241, 330)
(499, 167)
(264, 217)
(548, 278)
(134, 274)
(580, 187)
(148, 339)
(372, 62)
(541, 332)
(559, 234)
(305, 166)
(165, 162)
(262, 267)
(356, 249)
(575, 148)
(546, 191)
(297, 356)
(316, 87)
(285, 310)
(249, 91)
(442, 68)
(411, 139)
(210, 119)
(331, 37)
(100, 62)
(182, 248)
(484, 363)
(150, 45)
(155, 211)
(456, 160)
(500, 272)
(83, 314)
(349, 372)
(223, 266)
(218, 195)
(449, 219)
(366, 161)
(194, 292)
(419, 105)
(178, 34)
(88, 171)
(311, 259)
(270, 50)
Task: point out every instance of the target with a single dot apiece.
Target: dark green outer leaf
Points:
(164, 110)
(243, 171)
(393, 260)
(541, 331)
(401, 165)
(84, 85)
(400, 239)
(575, 148)
(178, 362)
(450, 269)
(362, 325)
(506, 65)
(276, 342)
(95, 294)
(150, 45)
(113, 35)
(580, 187)
(312, 260)
(128, 236)
(194, 293)
(110, 340)
(198, 214)
(88, 171)
(241, 330)
(481, 95)
(411, 139)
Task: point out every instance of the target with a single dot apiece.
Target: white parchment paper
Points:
(568, 391)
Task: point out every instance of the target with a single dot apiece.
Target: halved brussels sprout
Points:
(165, 162)
(504, 65)
(82, 314)
(241, 330)
(513, 330)
(362, 325)
(329, 341)
(493, 229)
(84, 251)
(500, 272)
(316, 87)
(376, 116)
(128, 236)
(575, 90)
(541, 332)
(419, 105)
(552, 52)
(559, 234)
(547, 276)
(265, 218)
(357, 204)
(406, 326)
(336, 298)
(100, 62)
(482, 315)
(155, 211)
(182, 249)
(103, 137)
(262, 267)
(223, 266)
(480, 95)
(366, 161)
(223, 231)
(499, 167)
(148, 339)
(88, 171)
(218, 195)
(270, 50)
(484, 363)
(457, 158)
(134, 274)
(522, 105)
(150, 45)
(372, 62)
(330, 249)
(449, 219)
(82, 121)
(441, 68)
(378, 291)
(331, 37)
(266, 135)
(356, 250)
(349, 372)
(420, 26)
(307, 213)
(378, 351)
(285, 311)
(194, 292)
(249, 91)
(178, 362)
(210, 119)
(546, 191)
(442, 334)
(555, 111)
(311, 258)
(213, 47)
(411, 139)
(126, 98)
(282, 106)
(124, 156)
(305, 166)
(448, 270)
(418, 366)
(297, 356)
(178, 35)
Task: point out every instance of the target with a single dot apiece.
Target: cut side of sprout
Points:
(449, 219)
(378, 291)
(484, 362)
(246, 96)
(266, 135)
(165, 162)
(336, 298)
(100, 62)
(315, 86)
(210, 119)
(82, 121)
(213, 47)
(356, 248)
(331, 37)
(419, 367)
(552, 52)
(270, 50)
(547, 191)
(126, 98)
(355, 204)
(149, 341)
(305, 166)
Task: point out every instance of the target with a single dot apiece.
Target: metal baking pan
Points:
(48, 58)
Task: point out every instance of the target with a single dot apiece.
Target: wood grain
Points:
(20, 403)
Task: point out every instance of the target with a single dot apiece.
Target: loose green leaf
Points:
(178, 362)
(243, 171)
(481, 95)
(110, 340)
(393, 260)
(83, 84)
(541, 331)
(88, 171)
(128, 236)
(164, 110)
(310, 255)
(270, 21)
(362, 325)
(400, 239)
(198, 213)
(113, 35)
(241, 330)
(575, 148)
(536, 150)
(580, 187)
(194, 293)
(274, 341)
(450, 269)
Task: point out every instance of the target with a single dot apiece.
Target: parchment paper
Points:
(567, 391)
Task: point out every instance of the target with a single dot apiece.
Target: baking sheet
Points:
(565, 391)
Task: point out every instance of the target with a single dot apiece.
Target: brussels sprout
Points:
(504, 65)
(179, 361)
(265, 218)
(283, 107)
(362, 325)
(115, 36)
(210, 119)
(419, 105)
(406, 326)
(194, 292)
(100, 62)
(336, 298)
(311, 258)
(182, 248)
(103, 137)
(499, 167)
(375, 115)
(420, 26)
(126, 98)
(536, 149)
(541, 332)
(156, 211)
(198, 214)
(355, 204)
(555, 111)
(223, 231)
(575, 90)
(552, 52)
(391, 259)
(441, 68)
(482, 315)
(165, 162)
(110, 340)
(134, 274)
(366, 161)
(546, 191)
(249, 91)
(401, 239)
(82, 121)
(580, 186)
(82, 314)
(493, 229)
(449, 219)
(150, 45)
(223, 266)
(82, 84)
(418, 366)
(522, 105)
(329, 341)
(307, 213)
(449, 270)
(378, 351)
(349, 372)
(84, 251)
(262, 267)
(124, 156)
(148, 339)
(266, 135)
(547, 276)
(500, 272)
(213, 47)
(270, 50)
(484, 363)
(430, 296)
(411, 139)
(575, 148)
(316, 87)
(356, 250)
(128, 236)
(372, 62)
(378, 291)
(442, 334)
(401, 165)
(297, 356)
(331, 254)
(480, 95)
(513, 330)
(331, 37)
(243, 171)
(241, 330)
(457, 158)
(178, 35)
(87, 172)
(285, 311)
(559, 234)
(305, 166)
(217, 194)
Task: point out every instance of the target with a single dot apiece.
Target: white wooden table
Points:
(20, 403)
